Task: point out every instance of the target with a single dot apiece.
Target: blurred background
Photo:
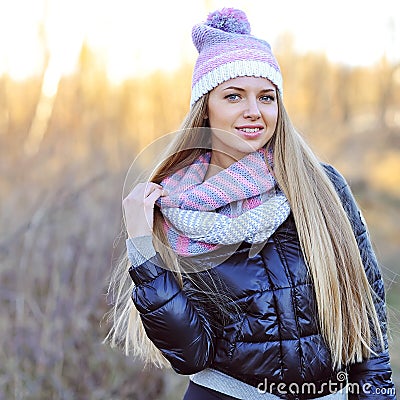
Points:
(85, 86)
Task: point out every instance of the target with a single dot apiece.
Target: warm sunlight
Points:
(91, 94)
(135, 37)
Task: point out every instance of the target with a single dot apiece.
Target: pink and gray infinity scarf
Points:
(240, 203)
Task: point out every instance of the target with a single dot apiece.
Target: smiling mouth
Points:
(250, 131)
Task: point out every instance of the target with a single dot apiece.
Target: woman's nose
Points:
(252, 111)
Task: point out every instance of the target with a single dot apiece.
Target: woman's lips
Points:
(250, 132)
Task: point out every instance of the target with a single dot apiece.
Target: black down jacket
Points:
(272, 332)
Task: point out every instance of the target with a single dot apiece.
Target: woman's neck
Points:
(218, 162)
(212, 170)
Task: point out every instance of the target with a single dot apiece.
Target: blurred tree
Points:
(60, 209)
(386, 80)
(342, 93)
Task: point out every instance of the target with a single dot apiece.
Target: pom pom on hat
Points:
(229, 20)
(227, 50)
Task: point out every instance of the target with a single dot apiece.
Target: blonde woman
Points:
(249, 265)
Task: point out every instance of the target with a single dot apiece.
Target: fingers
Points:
(152, 191)
(150, 187)
(154, 195)
(138, 208)
(146, 192)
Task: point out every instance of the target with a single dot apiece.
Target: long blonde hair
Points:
(347, 317)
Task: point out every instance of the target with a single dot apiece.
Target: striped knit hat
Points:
(228, 50)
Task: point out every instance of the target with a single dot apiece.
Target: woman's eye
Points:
(267, 99)
(232, 97)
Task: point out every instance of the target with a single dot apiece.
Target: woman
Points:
(251, 265)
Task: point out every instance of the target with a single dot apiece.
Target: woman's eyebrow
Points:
(235, 88)
(243, 90)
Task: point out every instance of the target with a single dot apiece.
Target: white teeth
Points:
(250, 130)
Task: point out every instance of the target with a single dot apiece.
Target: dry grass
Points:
(60, 218)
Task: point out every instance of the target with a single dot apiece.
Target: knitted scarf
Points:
(240, 203)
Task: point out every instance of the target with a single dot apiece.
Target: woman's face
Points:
(242, 114)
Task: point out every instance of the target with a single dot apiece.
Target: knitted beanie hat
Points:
(227, 50)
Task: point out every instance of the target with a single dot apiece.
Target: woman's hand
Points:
(138, 208)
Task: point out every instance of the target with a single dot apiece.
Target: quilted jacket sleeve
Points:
(171, 321)
(370, 379)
